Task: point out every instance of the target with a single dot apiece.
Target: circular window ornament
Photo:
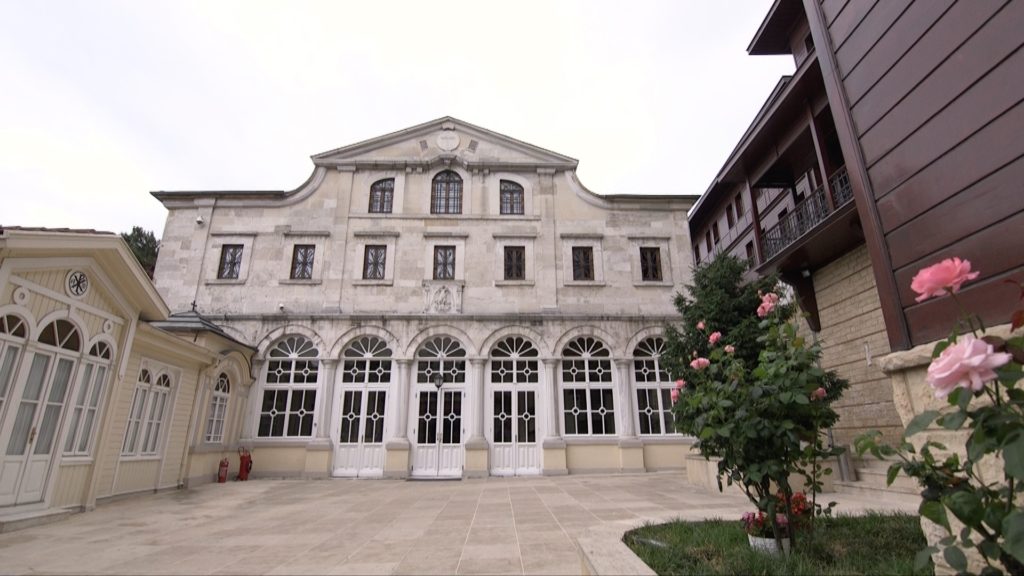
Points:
(20, 296)
(76, 284)
(447, 141)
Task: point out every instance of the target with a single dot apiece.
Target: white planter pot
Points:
(767, 545)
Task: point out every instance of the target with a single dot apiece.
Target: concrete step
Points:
(877, 477)
(20, 520)
(878, 492)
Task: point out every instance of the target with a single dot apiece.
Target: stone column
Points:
(251, 409)
(631, 449)
(476, 464)
(326, 411)
(554, 445)
(396, 464)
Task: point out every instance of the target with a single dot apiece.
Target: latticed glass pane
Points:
(30, 399)
(582, 263)
(373, 431)
(100, 350)
(650, 264)
(511, 197)
(511, 362)
(302, 261)
(446, 193)
(300, 412)
(374, 260)
(666, 411)
(444, 262)
(439, 355)
(654, 385)
(574, 404)
(230, 261)
(381, 195)
(602, 411)
(13, 325)
(527, 416)
(273, 413)
(589, 404)
(503, 416)
(647, 363)
(367, 360)
(515, 263)
(288, 362)
(451, 424)
(10, 358)
(61, 334)
(218, 409)
(647, 407)
(426, 422)
(351, 415)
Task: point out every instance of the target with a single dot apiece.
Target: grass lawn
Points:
(872, 544)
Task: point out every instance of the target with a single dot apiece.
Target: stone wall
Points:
(853, 338)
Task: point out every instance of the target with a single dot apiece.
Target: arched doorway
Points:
(365, 380)
(514, 379)
(438, 432)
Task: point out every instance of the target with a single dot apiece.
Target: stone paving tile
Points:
(488, 526)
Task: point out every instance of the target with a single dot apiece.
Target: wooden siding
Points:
(71, 483)
(936, 93)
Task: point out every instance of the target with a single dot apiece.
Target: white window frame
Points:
(602, 364)
(291, 350)
(88, 403)
(151, 403)
(647, 365)
(11, 361)
(220, 397)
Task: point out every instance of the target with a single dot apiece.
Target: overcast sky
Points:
(102, 102)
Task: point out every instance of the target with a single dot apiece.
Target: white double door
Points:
(360, 450)
(437, 433)
(515, 450)
(31, 424)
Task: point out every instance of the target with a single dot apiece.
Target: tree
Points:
(144, 245)
(721, 299)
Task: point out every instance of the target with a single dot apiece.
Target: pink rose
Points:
(700, 363)
(729, 349)
(768, 303)
(680, 384)
(714, 338)
(675, 395)
(967, 364)
(818, 394)
(942, 278)
(700, 325)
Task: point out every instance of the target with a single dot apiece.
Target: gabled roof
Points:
(347, 155)
(107, 249)
(193, 321)
(772, 37)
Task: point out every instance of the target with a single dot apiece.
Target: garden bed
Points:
(870, 544)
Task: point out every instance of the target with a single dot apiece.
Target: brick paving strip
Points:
(488, 526)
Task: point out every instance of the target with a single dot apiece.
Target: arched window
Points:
(514, 363)
(61, 334)
(289, 390)
(12, 341)
(446, 193)
(218, 409)
(366, 373)
(511, 198)
(91, 388)
(653, 388)
(382, 194)
(149, 408)
(442, 356)
(588, 399)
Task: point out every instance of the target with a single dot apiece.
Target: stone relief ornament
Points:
(442, 298)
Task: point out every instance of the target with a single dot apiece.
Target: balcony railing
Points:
(807, 214)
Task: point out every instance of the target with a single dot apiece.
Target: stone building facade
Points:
(440, 301)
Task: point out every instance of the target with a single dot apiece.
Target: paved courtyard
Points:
(513, 526)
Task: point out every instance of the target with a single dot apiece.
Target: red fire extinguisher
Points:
(244, 464)
(222, 471)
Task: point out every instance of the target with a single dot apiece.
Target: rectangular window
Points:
(230, 262)
(302, 261)
(714, 232)
(515, 263)
(374, 259)
(696, 254)
(650, 264)
(589, 411)
(739, 205)
(730, 216)
(654, 409)
(79, 437)
(444, 262)
(707, 241)
(582, 263)
(287, 413)
(382, 195)
(146, 417)
(751, 259)
(511, 198)
(215, 422)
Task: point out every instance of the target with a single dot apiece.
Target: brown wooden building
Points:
(896, 143)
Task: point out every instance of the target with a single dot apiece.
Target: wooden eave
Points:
(772, 36)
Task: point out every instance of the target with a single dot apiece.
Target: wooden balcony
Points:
(808, 214)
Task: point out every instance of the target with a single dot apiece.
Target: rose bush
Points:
(979, 377)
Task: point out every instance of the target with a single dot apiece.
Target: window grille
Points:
(382, 194)
(582, 263)
(446, 193)
(515, 263)
(650, 264)
(444, 262)
(230, 261)
(441, 355)
(588, 399)
(374, 260)
(302, 261)
(290, 389)
(511, 198)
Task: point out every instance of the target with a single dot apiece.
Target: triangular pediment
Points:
(444, 140)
